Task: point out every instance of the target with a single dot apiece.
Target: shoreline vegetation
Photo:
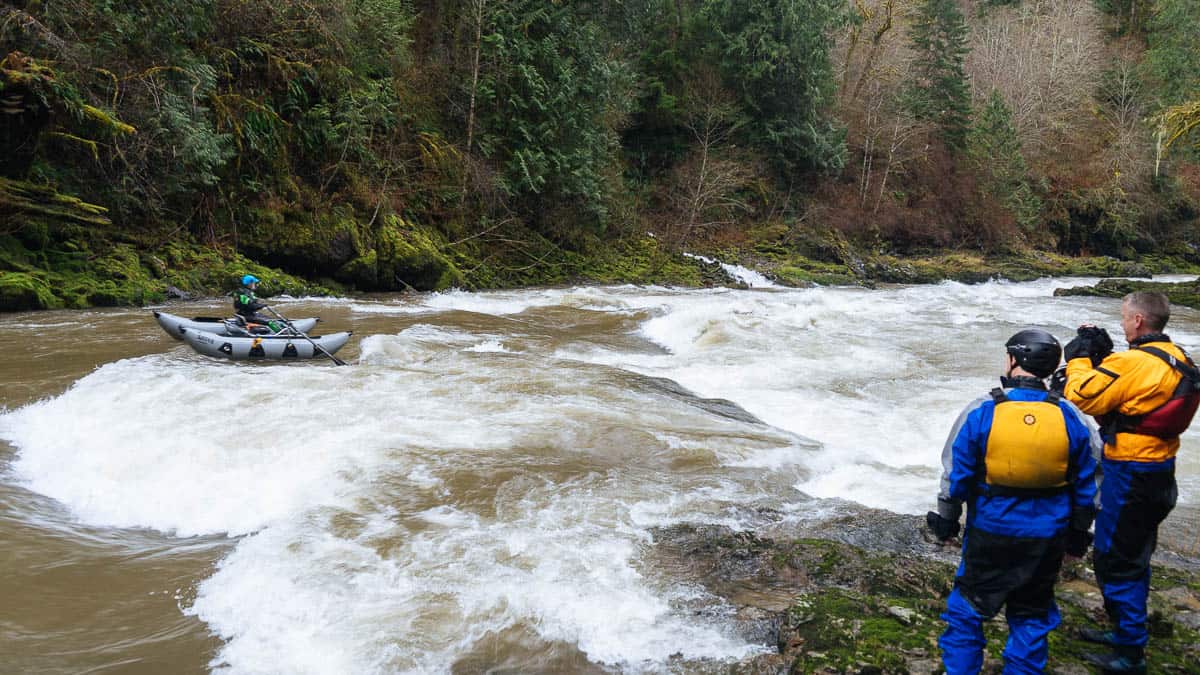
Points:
(152, 150)
(86, 272)
(68, 254)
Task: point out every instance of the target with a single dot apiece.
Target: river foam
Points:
(494, 465)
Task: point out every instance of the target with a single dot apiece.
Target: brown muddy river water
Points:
(477, 489)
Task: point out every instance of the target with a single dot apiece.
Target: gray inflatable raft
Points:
(175, 325)
(272, 347)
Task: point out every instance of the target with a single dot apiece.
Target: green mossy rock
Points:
(14, 257)
(21, 291)
(362, 272)
(1185, 293)
(69, 274)
(28, 202)
(383, 254)
(404, 256)
(199, 269)
(800, 276)
(409, 257)
(829, 606)
(316, 243)
(641, 260)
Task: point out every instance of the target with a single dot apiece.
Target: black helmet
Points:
(1035, 351)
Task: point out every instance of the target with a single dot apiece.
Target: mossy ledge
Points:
(864, 594)
(57, 251)
(121, 274)
(1186, 293)
(795, 256)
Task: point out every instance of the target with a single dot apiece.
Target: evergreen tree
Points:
(1173, 58)
(775, 54)
(994, 146)
(1131, 15)
(939, 92)
(550, 98)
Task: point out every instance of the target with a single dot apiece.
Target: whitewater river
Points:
(478, 488)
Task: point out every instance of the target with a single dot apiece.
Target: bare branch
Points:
(1041, 56)
(28, 24)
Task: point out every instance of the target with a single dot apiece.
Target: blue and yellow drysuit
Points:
(1022, 460)
(1136, 397)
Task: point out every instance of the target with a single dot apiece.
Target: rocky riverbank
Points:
(1186, 293)
(86, 271)
(57, 251)
(862, 593)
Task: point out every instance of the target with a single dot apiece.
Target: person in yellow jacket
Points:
(1143, 398)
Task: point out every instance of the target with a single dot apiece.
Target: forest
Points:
(154, 148)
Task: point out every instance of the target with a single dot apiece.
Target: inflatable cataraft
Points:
(254, 347)
(175, 325)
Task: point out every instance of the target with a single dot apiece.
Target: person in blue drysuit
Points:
(1022, 460)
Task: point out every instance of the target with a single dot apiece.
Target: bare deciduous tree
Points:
(891, 137)
(1041, 55)
(879, 24)
(875, 55)
(1130, 149)
(705, 184)
(477, 7)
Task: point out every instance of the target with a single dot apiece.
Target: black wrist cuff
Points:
(1082, 517)
(949, 509)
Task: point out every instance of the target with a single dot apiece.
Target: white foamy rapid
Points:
(493, 466)
(745, 275)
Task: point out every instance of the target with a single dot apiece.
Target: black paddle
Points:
(310, 340)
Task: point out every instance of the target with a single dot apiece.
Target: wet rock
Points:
(904, 615)
(717, 406)
(1082, 594)
(1189, 620)
(174, 293)
(1180, 597)
(862, 591)
(755, 624)
(1185, 293)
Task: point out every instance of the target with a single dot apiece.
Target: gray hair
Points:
(1155, 307)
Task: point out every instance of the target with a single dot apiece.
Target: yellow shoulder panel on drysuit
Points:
(1028, 446)
(1132, 382)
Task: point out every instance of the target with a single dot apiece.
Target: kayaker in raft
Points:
(247, 305)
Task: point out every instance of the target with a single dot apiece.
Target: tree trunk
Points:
(478, 6)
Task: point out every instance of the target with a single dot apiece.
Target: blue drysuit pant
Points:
(1017, 573)
(1135, 498)
(1026, 651)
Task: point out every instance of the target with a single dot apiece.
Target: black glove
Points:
(1091, 342)
(943, 528)
(1078, 542)
(1058, 380)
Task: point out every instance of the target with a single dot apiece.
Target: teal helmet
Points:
(249, 279)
